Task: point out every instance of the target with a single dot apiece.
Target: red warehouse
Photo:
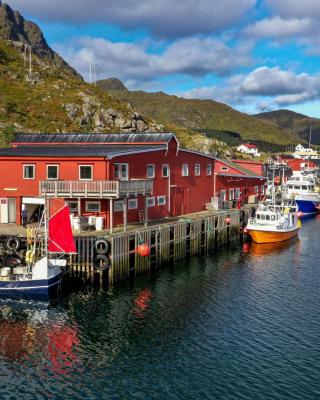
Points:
(120, 177)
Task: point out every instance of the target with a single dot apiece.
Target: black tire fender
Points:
(102, 246)
(102, 261)
(13, 243)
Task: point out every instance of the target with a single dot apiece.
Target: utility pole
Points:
(30, 61)
(94, 75)
(90, 79)
(25, 55)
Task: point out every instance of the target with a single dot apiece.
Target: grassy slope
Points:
(205, 114)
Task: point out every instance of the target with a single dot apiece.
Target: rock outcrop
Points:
(111, 84)
(14, 27)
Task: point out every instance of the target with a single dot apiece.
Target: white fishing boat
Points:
(41, 277)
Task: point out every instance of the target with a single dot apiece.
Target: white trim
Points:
(161, 197)
(153, 201)
(136, 204)
(197, 173)
(34, 171)
(116, 204)
(237, 193)
(224, 198)
(153, 171)
(126, 178)
(231, 194)
(85, 165)
(182, 168)
(58, 170)
(224, 168)
(127, 153)
(208, 165)
(96, 202)
(198, 153)
(168, 169)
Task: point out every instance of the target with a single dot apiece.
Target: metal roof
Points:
(83, 151)
(94, 138)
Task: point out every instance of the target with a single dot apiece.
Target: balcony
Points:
(95, 189)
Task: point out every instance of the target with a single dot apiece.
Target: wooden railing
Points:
(95, 189)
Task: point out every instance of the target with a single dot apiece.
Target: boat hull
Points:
(308, 206)
(259, 236)
(44, 288)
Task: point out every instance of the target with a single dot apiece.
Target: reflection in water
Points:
(235, 325)
(262, 249)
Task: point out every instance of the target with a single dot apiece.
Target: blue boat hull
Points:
(45, 289)
(307, 206)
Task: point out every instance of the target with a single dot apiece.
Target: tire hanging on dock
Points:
(13, 243)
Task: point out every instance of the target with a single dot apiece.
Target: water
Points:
(241, 325)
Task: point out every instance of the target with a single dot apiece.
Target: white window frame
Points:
(237, 193)
(95, 202)
(72, 209)
(85, 179)
(153, 171)
(151, 201)
(161, 200)
(223, 194)
(120, 177)
(224, 168)
(208, 169)
(168, 169)
(197, 169)
(118, 206)
(256, 190)
(135, 201)
(231, 194)
(34, 171)
(262, 189)
(53, 165)
(185, 170)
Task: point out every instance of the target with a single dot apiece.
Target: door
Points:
(4, 211)
(12, 211)
(177, 201)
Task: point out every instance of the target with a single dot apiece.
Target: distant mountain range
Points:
(54, 98)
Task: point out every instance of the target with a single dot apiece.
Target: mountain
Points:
(299, 124)
(208, 116)
(15, 28)
(111, 84)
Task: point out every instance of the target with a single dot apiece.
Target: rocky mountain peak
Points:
(111, 84)
(14, 27)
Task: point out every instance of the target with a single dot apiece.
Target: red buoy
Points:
(143, 250)
(227, 220)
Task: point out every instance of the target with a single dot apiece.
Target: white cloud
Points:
(279, 27)
(129, 61)
(164, 18)
(295, 8)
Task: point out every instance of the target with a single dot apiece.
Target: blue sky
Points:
(255, 55)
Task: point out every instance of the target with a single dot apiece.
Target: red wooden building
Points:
(120, 177)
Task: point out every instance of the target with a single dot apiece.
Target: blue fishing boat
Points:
(41, 278)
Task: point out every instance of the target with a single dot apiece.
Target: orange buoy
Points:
(299, 214)
(143, 250)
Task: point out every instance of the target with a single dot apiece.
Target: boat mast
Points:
(45, 225)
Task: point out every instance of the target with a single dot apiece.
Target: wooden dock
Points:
(169, 241)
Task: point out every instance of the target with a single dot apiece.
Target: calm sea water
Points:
(244, 324)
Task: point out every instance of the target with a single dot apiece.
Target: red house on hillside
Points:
(120, 177)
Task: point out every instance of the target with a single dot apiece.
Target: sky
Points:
(255, 55)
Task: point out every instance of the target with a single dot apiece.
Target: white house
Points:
(248, 148)
(305, 153)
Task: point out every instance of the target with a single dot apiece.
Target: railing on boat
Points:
(95, 189)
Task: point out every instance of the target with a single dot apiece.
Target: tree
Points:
(6, 136)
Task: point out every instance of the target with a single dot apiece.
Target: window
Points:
(165, 170)
(118, 205)
(161, 200)
(52, 171)
(28, 172)
(256, 190)
(238, 192)
(224, 169)
(185, 170)
(151, 201)
(197, 169)
(150, 171)
(231, 194)
(92, 206)
(121, 171)
(209, 169)
(262, 189)
(73, 206)
(132, 204)
(85, 172)
(223, 194)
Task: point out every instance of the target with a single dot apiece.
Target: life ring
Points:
(102, 261)
(13, 243)
(102, 247)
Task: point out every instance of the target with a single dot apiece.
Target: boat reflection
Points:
(263, 249)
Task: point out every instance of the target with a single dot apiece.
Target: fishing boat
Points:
(301, 187)
(275, 220)
(41, 276)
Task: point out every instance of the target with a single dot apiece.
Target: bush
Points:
(6, 136)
